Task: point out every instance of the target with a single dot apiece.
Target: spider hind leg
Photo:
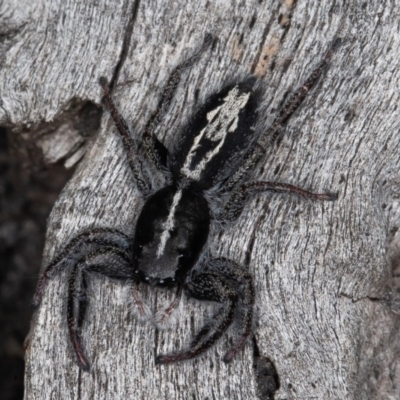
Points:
(155, 150)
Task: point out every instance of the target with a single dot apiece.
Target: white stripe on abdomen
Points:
(222, 120)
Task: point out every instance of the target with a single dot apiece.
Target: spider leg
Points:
(268, 138)
(164, 317)
(214, 322)
(109, 261)
(133, 155)
(75, 249)
(249, 162)
(211, 287)
(242, 281)
(155, 150)
(82, 299)
(296, 99)
(237, 201)
(139, 307)
(75, 317)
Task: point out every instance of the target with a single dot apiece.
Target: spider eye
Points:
(182, 252)
(139, 248)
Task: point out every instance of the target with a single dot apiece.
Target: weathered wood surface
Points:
(325, 308)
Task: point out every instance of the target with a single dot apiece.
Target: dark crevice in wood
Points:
(263, 38)
(288, 23)
(28, 192)
(126, 44)
(57, 141)
(390, 300)
(9, 35)
(156, 333)
(88, 119)
(267, 378)
(79, 384)
(252, 21)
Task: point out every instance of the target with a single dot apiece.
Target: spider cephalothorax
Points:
(215, 152)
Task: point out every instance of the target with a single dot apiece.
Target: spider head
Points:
(170, 233)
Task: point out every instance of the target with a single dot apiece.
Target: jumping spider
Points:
(212, 159)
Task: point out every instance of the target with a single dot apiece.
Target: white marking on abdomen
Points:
(169, 224)
(227, 118)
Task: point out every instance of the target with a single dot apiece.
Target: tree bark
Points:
(325, 273)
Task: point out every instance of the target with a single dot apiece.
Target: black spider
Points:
(212, 158)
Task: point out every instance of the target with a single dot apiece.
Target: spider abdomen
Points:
(215, 140)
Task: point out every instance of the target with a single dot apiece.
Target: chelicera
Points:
(207, 184)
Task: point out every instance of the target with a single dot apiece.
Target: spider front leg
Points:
(108, 261)
(77, 248)
(225, 282)
(211, 287)
(237, 201)
(242, 282)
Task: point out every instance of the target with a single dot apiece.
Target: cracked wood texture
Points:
(325, 273)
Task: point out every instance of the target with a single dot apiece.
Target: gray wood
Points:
(326, 301)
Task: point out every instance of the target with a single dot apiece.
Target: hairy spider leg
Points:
(83, 300)
(155, 150)
(294, 101)
(207, 327)
(74, 322)
(73, 251)
(242, 281)
(268, 138)
(250, 160)
(109, 261)
(212, 287)
(133, 155)
(140, 309)
(237, 201)
(164, 317)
